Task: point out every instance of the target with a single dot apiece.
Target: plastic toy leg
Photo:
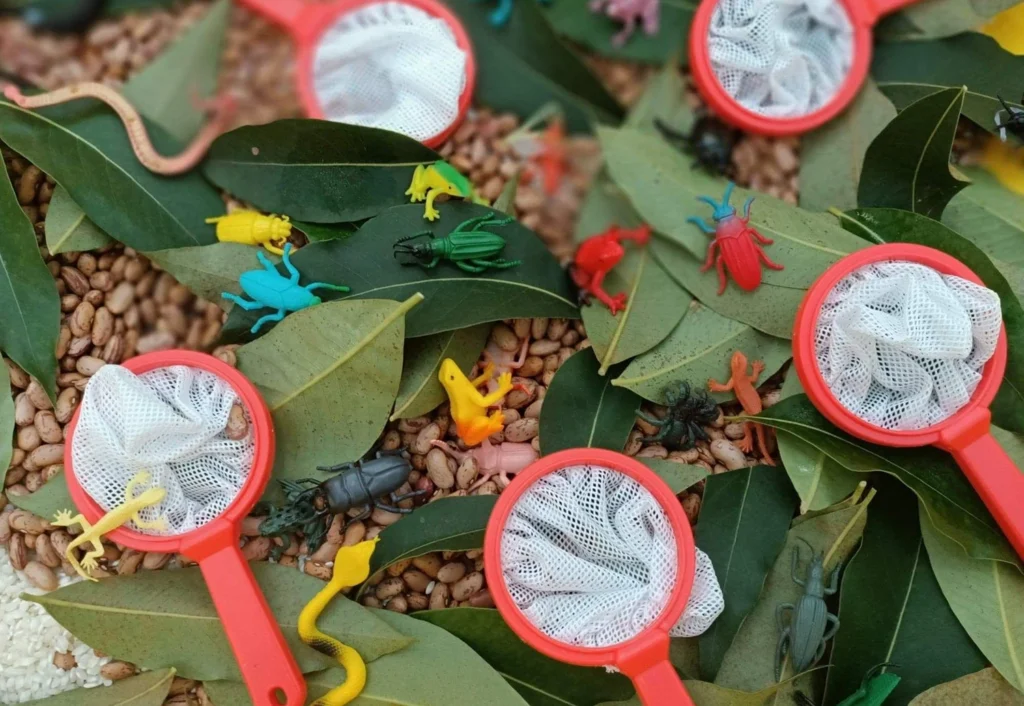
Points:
(619, 39)
(709, 261)
(498, 263)
(779, 610)
(244, 303)
(720, 267)
(756, 369)
(716, 386)
(654, 421)
(615, 304)
(796, 562)
(762, 444)
(416, 191)
(780, 653)
(325, 285)
(286, 259)
(760, 238)
(429, 212)
(501, 14)
(467, 267)
(699, 222)
(831, 632)
(746, 208)
(767, 262)
(746, 444)
(269, 317)
(486, 375)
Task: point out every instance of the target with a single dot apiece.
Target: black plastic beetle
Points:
(710, 141)
(1014, 120)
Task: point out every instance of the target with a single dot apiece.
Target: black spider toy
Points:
(689, 412)
(710, 142)
(1014, 122)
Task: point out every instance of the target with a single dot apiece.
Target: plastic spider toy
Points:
(710, 141)
(597, 256)
(735, 247)
(689, 412)
(1014, 122)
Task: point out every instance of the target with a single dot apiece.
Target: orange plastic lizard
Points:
(551, 160)
(743, 386)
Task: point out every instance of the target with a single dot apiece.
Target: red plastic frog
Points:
(551, 159)
(598, 255)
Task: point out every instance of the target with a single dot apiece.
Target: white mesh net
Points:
(781, 58)
(169, 422)
(902, 346)
(589, 556)
(393, 66)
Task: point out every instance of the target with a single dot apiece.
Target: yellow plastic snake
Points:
(351, 568)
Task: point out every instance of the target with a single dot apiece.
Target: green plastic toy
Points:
(431, 180)
(469, 247)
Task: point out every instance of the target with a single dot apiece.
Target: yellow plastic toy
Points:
(351, 568)
(432, 180)
(469, 405)
(1007, 28)
(91, 534)
(253, 228)
(1005, 162)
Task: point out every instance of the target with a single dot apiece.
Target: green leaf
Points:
(68, 229)
(697, 350)
(541, 681)
(149, 689)
(160, 618)
(6, 421)
(329, 374)
(316, 232)
(907, 165)
(316, 170)
(449, 524)
(984, 688)
(750, 662)
(891, 608)
(455, 299)
(890, 225)
(420, 391)
(989, 215)
(523, 65)
(832, 157)
(818, 480)
(744, 519)
(506, 201)
(678, 476)
(595, 30)
(84, 147)
(664, 99)
(951, 502)
(434, 670)
(940, 18)
(50, 499)
(909, 71)
(583, 410)
(28, 296)
(112, 8)
(166, 91)
(988, 600)
(208, 270)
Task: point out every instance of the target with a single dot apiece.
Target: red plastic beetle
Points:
(735, 247)
(596, 257)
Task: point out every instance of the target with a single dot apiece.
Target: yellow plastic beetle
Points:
(253, 228)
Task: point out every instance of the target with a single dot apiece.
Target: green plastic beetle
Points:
(808, 631)
(875, 688)
(469, 247)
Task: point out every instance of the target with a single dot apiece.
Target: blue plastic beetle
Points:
(272, 291)
(501, 14)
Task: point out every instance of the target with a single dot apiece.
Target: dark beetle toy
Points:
(811, 626)
(1013, 120)
(689, 412)
(710, 142)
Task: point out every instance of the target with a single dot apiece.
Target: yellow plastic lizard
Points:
(351, 568)
(253, 228)
(432, 180)
(469, 405)
(91, 534)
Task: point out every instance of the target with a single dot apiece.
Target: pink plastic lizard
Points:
(503, 361)
(629, 12)
(501, 460)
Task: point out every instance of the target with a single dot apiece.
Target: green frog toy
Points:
(431, 180)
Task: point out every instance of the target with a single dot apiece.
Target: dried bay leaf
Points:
(83, 146)
(744, 518)
(583, 410)
(939, 18)
(329, 374)
(209, 270)
(540, 680)
(68, 229)
(50, 499)
(990, 216)
(28, 295)
(891, 608)
(148, 689)
(316, 170)
(420, 391)
(454, 299)
(818, 480)
(159, 618)
(698, 349)
(983, 688)
(907, 165)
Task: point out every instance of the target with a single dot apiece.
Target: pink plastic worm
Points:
(223, 108)
(501, 460)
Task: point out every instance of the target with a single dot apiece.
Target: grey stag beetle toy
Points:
(808, 630)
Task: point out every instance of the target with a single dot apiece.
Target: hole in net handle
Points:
(262, 653)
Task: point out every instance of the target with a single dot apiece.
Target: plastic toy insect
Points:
(253, 228)
(629, 12)
(808, 630)
(551, 160)
(1014, 122)
(742, 385)
(222, 108)
(504, 361)
(469, 405)
(735, 245)
(710, 141)
(272, 291)
(432, 180)
(351, 568)
(598, 255)
(874, 689)
(689, 412)
(60, 15)
(92, 534)
(501, 14)
(469, 247)
(506, 458)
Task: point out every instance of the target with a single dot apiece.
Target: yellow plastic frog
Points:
(469, 405)
(432, 180)
(253, 228)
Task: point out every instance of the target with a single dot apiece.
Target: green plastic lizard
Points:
(431, 180)
(91, 534)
